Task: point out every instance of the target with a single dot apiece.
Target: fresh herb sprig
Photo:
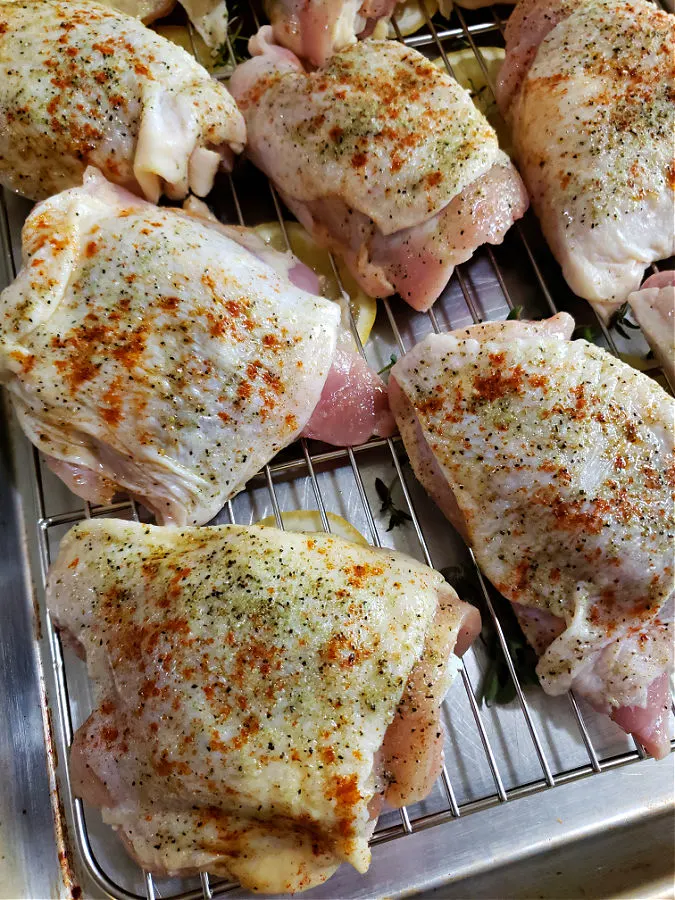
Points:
(620, 321)
(586, 332)
(515, 313)
(396, 516)
(497, 686)
(392, 361)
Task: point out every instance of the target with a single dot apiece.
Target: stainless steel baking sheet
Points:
(518, 780)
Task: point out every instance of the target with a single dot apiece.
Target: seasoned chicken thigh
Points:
(556, 462)
(587, 88)
(316, 29)
(654, 308)
(383, 158)
(152, 351)
(260, 693)
(81, 84)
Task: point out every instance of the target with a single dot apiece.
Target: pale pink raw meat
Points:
(654, 309)
(383, 158)
(649, 723)
(354, 404)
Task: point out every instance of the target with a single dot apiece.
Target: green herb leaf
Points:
(586, 333)
(497, 686)
(396, 516)
(490, 685)
(392, 361)
(515, 313)
(382, 490)
(620, 321)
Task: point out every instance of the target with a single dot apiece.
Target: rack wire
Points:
(308, 461)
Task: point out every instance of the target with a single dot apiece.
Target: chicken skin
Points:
(151, 351)
(556, 462)
(383, 158)
(259, 692)
(587, 89)
(654, 308)
(82, 84)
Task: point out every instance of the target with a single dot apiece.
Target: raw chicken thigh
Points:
(587, 88)
(83, 84)
(260, 693)
(654, 308)
(556, 462)
(383, 158)
(316, 29)
(152, 351)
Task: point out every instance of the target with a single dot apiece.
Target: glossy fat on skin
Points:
(593, 123)
(316, 29)
(383, 158)
(151, 351)
(654, 308)
(246, 678)
(82, 84)
(556, 461)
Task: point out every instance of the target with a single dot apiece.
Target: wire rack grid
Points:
(464, 301)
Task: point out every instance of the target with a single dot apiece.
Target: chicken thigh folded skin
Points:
(260, 693)
(82, 84)
(383, 158)
(152, 351)
(556, 462)
(587, 89)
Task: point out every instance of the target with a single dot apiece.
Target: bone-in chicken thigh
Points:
(259, 693)
(556, 462)
(315, 29)
(383, 158)
(587, 88)
(152, 351)
(82, 84)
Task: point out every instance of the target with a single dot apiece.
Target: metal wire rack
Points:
(519, 273)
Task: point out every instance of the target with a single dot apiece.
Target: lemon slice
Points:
(309, 521)
(469, 74)
(410, 18)
(363, 307)
(179, 34)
